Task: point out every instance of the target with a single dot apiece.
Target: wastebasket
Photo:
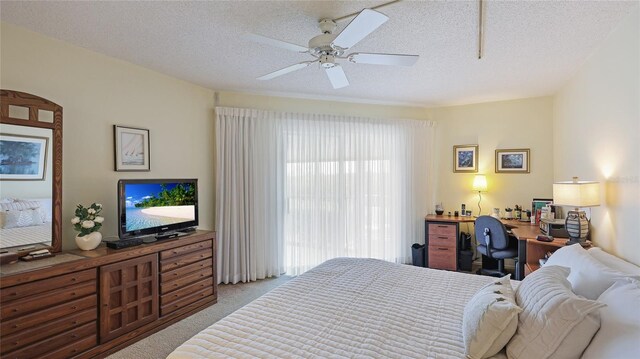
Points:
(417, 254)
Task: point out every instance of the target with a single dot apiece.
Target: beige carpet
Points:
(230, 298)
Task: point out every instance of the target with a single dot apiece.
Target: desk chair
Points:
(495, 242)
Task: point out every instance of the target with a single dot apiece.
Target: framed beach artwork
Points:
(22, 157)
(465, 158)
(131, 149)
(513, 161)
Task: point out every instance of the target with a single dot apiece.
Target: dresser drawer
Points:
(185, 291)
(192, 298)
(46, 330)
(175, 262)
(440, 240)
(176, 252)
(182, 271)
(442, 229)
(36, 350)
(43, 316)
(442, 258)
(186, 280)
(74, 348)
(46, 300)
(33, 288)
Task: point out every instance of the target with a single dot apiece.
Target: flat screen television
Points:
(156, 206)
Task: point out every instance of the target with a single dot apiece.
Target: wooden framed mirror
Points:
(30, 172)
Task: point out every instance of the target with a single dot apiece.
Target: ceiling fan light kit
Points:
(329, 48)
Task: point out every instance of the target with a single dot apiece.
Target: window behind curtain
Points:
(343, 189)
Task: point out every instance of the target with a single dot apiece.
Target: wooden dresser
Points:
(441, 239)
(89, 304)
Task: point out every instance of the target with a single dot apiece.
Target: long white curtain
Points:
(249, 196)
(310, 187)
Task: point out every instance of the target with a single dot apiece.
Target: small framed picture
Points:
(513, 161)
(23, 157)
(131, 149)
(465, 158)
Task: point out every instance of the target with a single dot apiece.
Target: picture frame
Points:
(465, 158)
(131, 149)
(513, 160)
(23, 158)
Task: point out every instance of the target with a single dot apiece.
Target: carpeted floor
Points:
(230, 298)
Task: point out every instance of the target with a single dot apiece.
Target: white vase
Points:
(89, 241)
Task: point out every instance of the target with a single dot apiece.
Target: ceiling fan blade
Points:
(286, 70)
(337, 77)
(365, 23)
(277, 43)
(383, 59)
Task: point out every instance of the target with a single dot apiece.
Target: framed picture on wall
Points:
(465, 158)
(22, 158)
(512, 161)
(131, 149)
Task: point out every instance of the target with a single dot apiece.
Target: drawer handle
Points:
(441, 237)
(73, 294)
(75, 322)
(14, 310)
(13, 294)
(74, 307)
(443, 249)
(74, 279)
(441, 226)
(15, 326)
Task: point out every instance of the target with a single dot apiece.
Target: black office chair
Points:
(495, 242)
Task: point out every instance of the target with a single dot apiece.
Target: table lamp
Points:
(577, 194)
(480, 185)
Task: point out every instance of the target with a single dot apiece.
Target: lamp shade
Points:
(576, 193)
(480, 183)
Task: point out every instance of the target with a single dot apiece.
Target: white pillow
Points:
(589, 278)
(554, 323)
(25, 218)
(619, 334)
(19, 205)
(490, 319)
(614, 262)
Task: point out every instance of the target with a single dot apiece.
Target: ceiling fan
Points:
(329, 48)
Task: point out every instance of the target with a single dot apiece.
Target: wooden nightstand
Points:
(441, 240)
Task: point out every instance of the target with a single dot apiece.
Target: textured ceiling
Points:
(531, 48)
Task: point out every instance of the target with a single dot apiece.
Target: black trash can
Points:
(417, 255)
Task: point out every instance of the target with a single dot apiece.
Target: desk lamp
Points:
(577, 194)
(480, 185)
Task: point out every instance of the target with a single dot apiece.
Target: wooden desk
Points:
(531, 250)
(441, 240)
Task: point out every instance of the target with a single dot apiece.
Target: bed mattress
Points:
(347, 308)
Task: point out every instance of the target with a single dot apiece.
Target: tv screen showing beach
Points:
(151, 205)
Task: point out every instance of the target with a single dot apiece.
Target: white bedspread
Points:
(20, 236)
(347, 308)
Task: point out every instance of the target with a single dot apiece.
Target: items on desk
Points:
(496, 213)
(543, 238)
(508, 213)
(517, 211)
(554, 227)
(439, 209)
(456, 213)
(463, 209)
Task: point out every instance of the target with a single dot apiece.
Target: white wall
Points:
(97, 92)
(525, 123)
(597, 136)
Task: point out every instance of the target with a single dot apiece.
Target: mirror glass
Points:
(26, 185)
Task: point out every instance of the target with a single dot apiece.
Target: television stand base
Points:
(167, 235)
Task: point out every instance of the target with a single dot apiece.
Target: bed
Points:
(368, 308)
(25, 221)
(408, 312)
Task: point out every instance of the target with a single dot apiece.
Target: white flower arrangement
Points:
(87, 220)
